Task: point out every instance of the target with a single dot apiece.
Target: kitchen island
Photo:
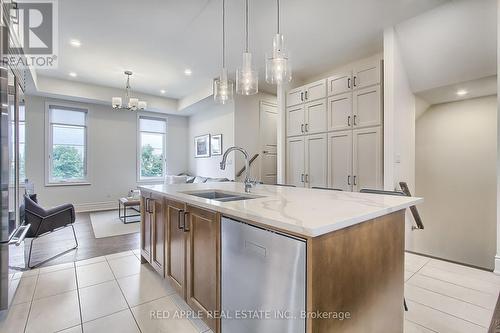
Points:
(309, 260)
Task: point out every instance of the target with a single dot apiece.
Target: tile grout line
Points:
(79, 301)
(31, 302)
(456, 284)
(427, 328)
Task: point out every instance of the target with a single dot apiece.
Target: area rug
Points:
(107, 224)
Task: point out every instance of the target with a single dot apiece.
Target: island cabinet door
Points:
(175, 248)
(203, 272)
(145, 227)
(158, 234)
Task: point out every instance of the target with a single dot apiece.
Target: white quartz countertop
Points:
(308, 212)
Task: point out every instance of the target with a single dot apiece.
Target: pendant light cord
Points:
(278, 11)
(246, 25)
(223, 33)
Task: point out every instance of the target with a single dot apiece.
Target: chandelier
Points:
(132, 104)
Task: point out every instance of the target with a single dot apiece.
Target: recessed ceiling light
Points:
(162, 91)
(462, 92)
(75, 43)
(73, 74)
(188, 72)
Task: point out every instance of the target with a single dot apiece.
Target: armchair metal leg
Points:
(53, 257)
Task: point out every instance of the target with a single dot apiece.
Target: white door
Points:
(316, 161)
(315, 116)
(340, 160)
(367, 158)
(294, 97)
(340, 112)
(367, 107)
(268, 142)
(366, 75)
(339, 83)
(315, 90)
(295, 172)
(295, 120)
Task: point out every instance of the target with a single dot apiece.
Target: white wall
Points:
(212, 119)
(112, 148)
(456, 175)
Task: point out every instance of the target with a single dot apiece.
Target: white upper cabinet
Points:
(366, 75)
(339, 83)
(339, 115)
(315, 113)
(295, 120)
(340, 160)
(367, 158)
(315, 90)
(294, 97)
(316, 168)
(295, 169)
(367, 107)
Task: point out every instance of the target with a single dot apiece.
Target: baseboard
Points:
(96, 206)
(497, 265)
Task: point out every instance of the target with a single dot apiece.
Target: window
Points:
(22, 142)
(67, 145)
(152, 148)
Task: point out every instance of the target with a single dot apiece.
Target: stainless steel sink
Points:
(222, 196)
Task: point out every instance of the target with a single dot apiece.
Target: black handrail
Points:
(249, 164)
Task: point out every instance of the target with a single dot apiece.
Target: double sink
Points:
(222, 196)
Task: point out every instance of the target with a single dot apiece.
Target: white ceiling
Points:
(453, 43)
(158, 39)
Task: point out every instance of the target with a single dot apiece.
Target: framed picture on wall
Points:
(216, 144)
(202, 146)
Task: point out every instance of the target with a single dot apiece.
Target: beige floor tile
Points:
(25, 290)
(54, 313)
(75, 329)
(460, 279)
(142, 314)
(56, 282)
(451, 306)
(125, 266)
(93, 274)
(466, 271)
(137, 252)
(439, 321)
(55, 268)
(101, 300)
(408, 275)
(119, 255)
(15, 318)
(414, 328)
(414, 262)
(183, 306)
(120, 322)
(31, 272)
(144, 287)
(475, 297)
(90, 261)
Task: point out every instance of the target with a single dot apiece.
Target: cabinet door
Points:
(158, 234)
(367, 108)
(367, 75)
(176, 246)
(316, 160)
(146, 227)
(340, 160)
(367, 158)
(339, 83)
(203, 253)
(294, 97)
(315, 117)
(295, 161)
(295, 117)
(315, 90)
(340, 112)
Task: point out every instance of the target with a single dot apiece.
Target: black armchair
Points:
(44, 221)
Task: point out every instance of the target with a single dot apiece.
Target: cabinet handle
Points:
(355, 121)
(349, 180)
(302, 96)
(181, 227)
(302, 178)
(302, 128)
(354, 81)
(146, 204)
(349, 121)
(150, 210)
(307, 127)
(186, 229)
(354, 178)
(305, 95)
(349, 83)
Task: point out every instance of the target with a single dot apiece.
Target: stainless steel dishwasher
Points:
(263, 280)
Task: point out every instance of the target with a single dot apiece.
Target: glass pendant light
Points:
(278, 67)
(223, 87)
(247, 78)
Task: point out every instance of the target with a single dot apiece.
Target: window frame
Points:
(49, 144)
(139, 146)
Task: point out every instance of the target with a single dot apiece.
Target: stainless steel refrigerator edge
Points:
(263, 280)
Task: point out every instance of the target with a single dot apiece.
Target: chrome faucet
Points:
(248, 182)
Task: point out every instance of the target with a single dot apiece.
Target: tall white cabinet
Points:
(334, 131)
